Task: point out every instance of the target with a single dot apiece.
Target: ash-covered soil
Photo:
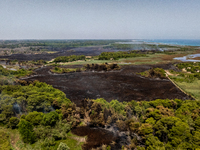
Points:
(88, 51)
(123, 85)
(95, 136)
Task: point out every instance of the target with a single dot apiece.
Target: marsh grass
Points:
(192, 88)
(187, 82)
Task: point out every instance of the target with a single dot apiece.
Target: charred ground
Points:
(123, 85)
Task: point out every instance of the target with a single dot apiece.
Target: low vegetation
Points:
(102, 67)
(88, 67)
(143, 46)
(8, 77)
(66, 70)
(188, 79)
(120, 54)
(18, 73)
(154, 73)
(69, 58)
(193, 67)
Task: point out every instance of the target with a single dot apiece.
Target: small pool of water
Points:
(188, 58)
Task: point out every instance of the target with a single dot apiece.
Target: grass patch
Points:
(189, 79)
(191, 88)
(66, 70)
(73, 144)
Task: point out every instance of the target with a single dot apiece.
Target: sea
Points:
(183, 42)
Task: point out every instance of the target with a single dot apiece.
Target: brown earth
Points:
(196, 58)
(123, 85)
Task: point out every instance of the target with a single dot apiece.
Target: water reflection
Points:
(188, 58)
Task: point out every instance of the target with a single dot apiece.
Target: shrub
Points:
(26, 131)
(49, 141)
(13, 122)
(63, 146)
(50, 119)
(35, 117)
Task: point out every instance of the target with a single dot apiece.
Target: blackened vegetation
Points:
(102, 67)
(88, 67)
(154, 73)
(95, 136)
(105, 124)
(69, 58)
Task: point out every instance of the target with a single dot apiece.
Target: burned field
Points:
(123, 85)
(91, 51)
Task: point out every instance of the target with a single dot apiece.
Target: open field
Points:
(191, 88)
(149, 59)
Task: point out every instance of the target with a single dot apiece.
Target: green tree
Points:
(172, 130)
(35, 117)
(13, 122)
(153, 143)
(26, 131)
(50, 119)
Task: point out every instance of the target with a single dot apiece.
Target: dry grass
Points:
(196, 58)
(170, 57)
(191, 88)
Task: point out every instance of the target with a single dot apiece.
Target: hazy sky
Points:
(99, 19)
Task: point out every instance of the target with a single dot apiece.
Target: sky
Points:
(99, 19)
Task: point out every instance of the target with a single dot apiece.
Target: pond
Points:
(188, 58)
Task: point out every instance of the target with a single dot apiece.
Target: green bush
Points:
(13, 122)
(63, 146)
(50, 119)
(48, 142)
(26, 131)
(35, 117)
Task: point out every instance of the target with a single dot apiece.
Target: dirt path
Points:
(168, 73)
(79, 139)
(14, 140)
